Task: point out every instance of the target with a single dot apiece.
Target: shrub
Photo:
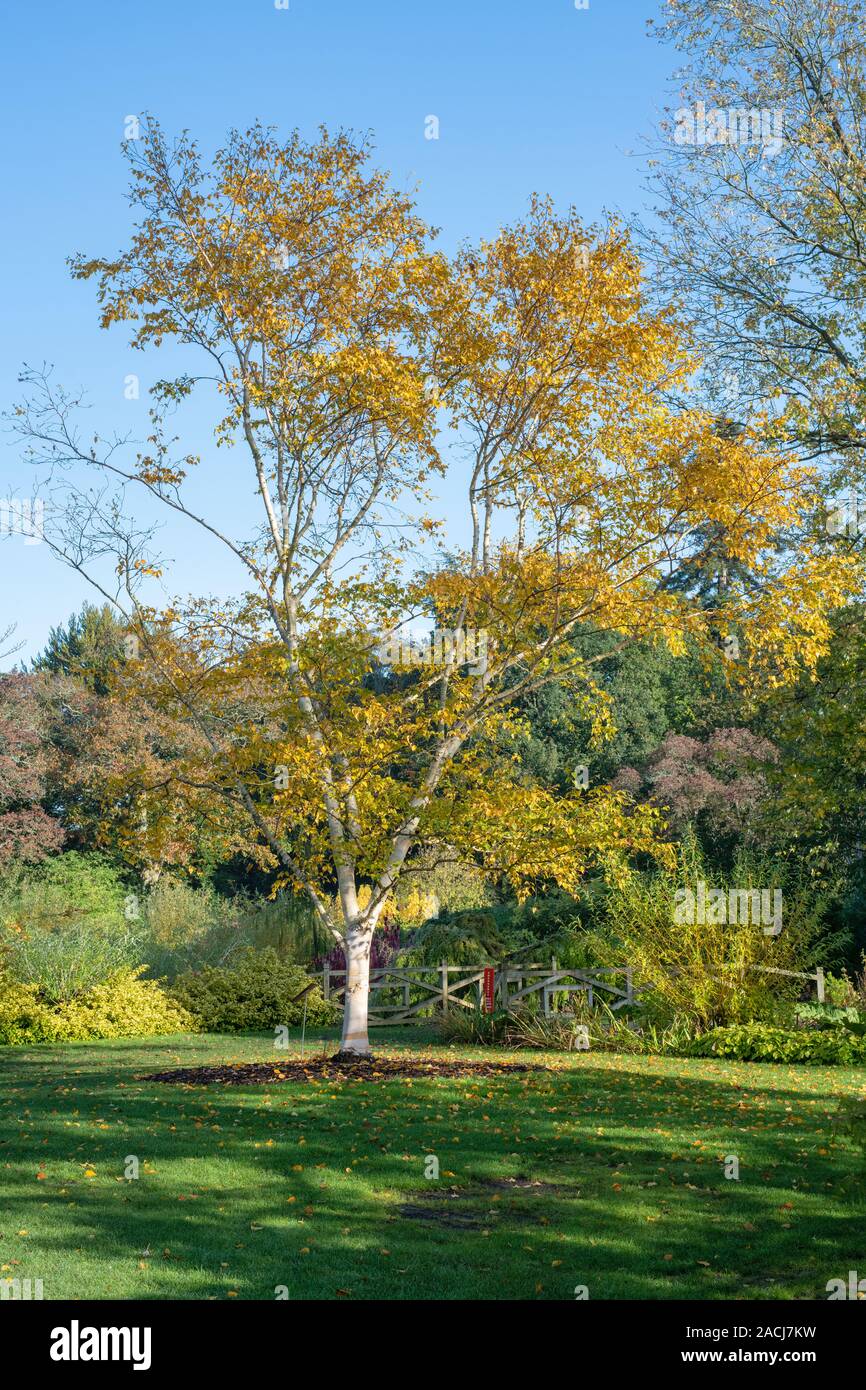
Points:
(64, 962)
(256, 991)
(287, 922)
(555, 1033)
(467, 1027)
(64, 930)
(840, 991)
(183, 928)
(23, 1016)
(710, 972)
(124, 1006)
(175, 912)
(607, 1031)
(761, 1042)
(548, 925)
(467, 938)
(826, 1016)
(69, 890)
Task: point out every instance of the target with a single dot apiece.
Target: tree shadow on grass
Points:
(321, 1189)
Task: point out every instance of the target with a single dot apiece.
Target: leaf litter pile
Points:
(331, 1068)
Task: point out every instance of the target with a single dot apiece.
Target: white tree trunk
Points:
(355, 1038)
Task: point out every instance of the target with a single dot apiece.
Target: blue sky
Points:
(529, 94)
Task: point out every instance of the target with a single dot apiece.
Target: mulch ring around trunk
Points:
(335, 1068)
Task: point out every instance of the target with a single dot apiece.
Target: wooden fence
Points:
(400, 994)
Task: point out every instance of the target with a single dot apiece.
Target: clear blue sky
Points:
(530, 95)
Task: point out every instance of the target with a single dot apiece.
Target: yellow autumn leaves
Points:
(352, 361)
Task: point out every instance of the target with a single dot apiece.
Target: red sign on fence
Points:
(489, 976)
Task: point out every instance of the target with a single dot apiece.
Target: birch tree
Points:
(344, 703)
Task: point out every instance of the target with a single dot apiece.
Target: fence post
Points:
(547, 991)
(503, 986)
(819, 981)
(326, 981)
(629, 985)
(443, 969)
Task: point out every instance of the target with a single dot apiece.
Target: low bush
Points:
(468, 1027)
(124, 1006)
(829, 1016)
(606, 1031)
(842, 992)
(63, 962)
(256, 991)
(761, 1042)
(549, 1033)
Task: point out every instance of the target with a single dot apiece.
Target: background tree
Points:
(765, 240)
(5, 638)
(818, 787)
(28, 832)
(650, 693)
(718, 785)
(114, 777)
(87, 647)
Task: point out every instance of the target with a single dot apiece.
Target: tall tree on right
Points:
(761, 183)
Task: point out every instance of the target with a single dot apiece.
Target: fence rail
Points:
(399, 994)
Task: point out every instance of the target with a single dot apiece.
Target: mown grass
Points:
(320, 1190)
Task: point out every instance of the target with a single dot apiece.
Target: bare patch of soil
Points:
(460, 1208)
(442, 1215)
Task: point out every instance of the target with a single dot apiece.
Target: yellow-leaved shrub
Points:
(124, 1006)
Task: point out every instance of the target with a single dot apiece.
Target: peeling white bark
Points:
(355, 1036)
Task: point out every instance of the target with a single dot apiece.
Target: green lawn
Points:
(321, 1188)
